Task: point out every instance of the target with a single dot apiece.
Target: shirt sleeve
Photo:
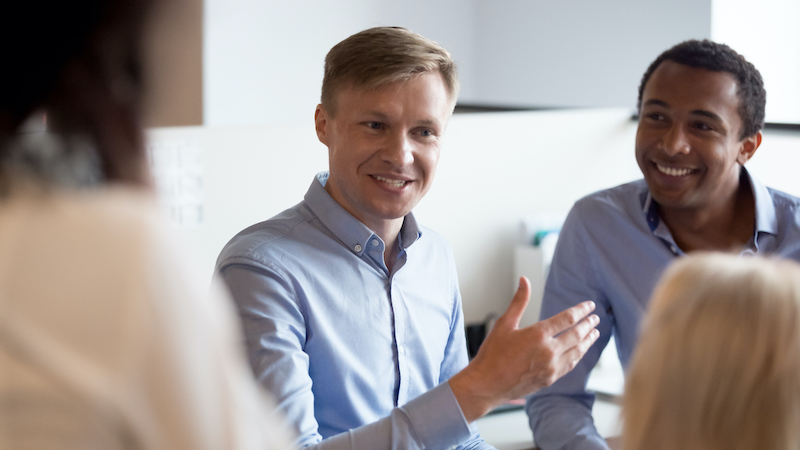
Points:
(275, 333)
(456, 358)
(561, 415)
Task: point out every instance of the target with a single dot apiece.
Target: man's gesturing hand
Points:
(514, 362)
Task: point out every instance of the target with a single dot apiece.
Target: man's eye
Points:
(375, 125)
(702, 126)
(654, 116)
(426, 132)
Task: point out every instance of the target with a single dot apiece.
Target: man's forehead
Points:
(388, 83)
(691, 84)
(383, 100)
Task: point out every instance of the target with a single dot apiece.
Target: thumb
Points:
(518, 304)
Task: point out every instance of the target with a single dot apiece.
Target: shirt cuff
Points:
(437, 419)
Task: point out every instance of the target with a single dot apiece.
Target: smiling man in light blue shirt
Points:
(351, 309)
(701, 113)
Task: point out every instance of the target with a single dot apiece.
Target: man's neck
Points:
(727, 226)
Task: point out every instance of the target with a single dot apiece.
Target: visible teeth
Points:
(391, 182)
(673, 171)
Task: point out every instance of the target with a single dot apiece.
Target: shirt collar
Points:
(410, 231)
(650, 211)
(349, 230)
(657, 227)
(766, 220)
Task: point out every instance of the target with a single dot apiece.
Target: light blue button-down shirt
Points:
(357, 355)
(612, 249)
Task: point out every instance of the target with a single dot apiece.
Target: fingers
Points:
(578, 333)
(571, 345)
(576, 352)
(566, 319)
(518, 304)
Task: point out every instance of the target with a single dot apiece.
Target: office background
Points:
(245, 76)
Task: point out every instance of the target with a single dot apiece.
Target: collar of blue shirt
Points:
(349, 230)
(766, 220)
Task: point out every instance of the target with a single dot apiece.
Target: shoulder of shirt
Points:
(783, 200)
(787, 208)
(428, 233)
(260, 238)
(112, 231)
(624, 197)
(430, 238)
(116, 212)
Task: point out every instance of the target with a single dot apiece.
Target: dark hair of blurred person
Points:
(108, 340)
(82, 63)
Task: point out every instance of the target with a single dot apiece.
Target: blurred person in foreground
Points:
(107, 339)
(701, 111)
(718, 363)
(351, 308)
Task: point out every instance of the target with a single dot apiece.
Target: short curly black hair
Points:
(710, 55)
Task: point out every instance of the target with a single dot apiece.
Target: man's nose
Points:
(400, 150)
(675, 141)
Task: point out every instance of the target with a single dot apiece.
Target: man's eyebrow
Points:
(709, 114)
(656, 103)
(696, 112)
(384, 117)
(377, 114)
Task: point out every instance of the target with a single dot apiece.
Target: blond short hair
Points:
(378, 56)
(718, 362)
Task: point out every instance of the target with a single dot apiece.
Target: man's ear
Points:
(749, 147)
(321, 124)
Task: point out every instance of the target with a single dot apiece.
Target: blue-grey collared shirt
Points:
(357, 355)
(612, 250)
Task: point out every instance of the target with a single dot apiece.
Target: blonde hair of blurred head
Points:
(718, 362)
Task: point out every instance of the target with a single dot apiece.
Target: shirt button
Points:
(375, 243)
(674, 250)
(357, 247)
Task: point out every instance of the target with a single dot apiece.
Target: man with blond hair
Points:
(351, 309)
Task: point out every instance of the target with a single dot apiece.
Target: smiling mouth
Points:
(672, 171)
(391, 182)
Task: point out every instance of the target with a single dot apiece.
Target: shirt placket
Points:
(400, 320)
(375, 249)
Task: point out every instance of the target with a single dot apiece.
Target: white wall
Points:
(777, 160)
(768, 36)
(500, 167)
(576, 52)
(263, 60)
(495, 169)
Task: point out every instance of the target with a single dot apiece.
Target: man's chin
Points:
(673, 201)
(393, 215)
(668, 195)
